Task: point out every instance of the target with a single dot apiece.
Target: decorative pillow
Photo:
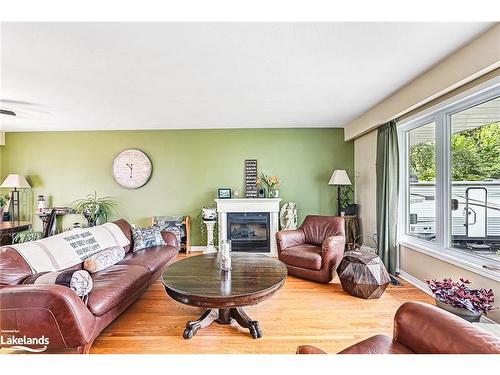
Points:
(171, 224)
(147, 237)
(104, 259)
(78, 281)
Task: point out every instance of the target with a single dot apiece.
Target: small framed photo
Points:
(224, 193)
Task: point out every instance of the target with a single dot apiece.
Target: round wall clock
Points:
(132, 169)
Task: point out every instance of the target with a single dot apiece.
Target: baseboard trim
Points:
(415, 282)
(198, 248)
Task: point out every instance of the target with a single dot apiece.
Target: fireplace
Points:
(249, 231)
(258, 211)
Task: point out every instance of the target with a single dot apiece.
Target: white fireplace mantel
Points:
(270, 205)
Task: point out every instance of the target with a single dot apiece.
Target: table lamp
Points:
(339, 178)
(15, 181)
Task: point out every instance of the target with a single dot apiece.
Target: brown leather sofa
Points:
(315, 249)
(420, 328)
(56, 311)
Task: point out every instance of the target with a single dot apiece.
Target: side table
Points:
(362, 274)
(8, 228)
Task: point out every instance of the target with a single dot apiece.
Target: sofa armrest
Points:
(289, 238)
(332, 250)
(170, 239)
(54, 311)
(309, 349)
(427, 329)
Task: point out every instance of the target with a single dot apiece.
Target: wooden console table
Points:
(8, 228)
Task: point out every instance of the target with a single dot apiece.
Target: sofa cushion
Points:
(114, 285)
(13, 267)
(378, 344)
(153, 258)
(303, 256)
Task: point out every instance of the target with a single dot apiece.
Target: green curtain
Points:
(387, 193)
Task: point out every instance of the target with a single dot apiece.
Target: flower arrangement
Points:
(458, 294)
(272, 183)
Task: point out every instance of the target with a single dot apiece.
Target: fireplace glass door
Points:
(249, 231)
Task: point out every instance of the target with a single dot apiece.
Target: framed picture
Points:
(224, 193)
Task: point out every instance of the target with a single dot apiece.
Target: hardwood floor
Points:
(302, 312)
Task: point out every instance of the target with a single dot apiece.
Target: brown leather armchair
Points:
(420, 328)
(315, 249)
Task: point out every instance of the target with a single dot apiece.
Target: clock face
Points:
(132, 169)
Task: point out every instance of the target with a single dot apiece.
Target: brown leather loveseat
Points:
(58, 313)
(420, 328)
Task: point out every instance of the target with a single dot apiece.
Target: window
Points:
(475, 179)
(422, 182)
(450, 177)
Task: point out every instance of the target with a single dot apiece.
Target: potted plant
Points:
(26, 236)
(272, 183)
(459, 299)
(94, 209)
(3, 201)
(346, 201)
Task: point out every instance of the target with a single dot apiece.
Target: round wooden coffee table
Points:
(197, 281)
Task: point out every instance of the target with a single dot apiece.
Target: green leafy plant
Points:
(26, 236)
(94, 209)
(3, 200)
(346, 196)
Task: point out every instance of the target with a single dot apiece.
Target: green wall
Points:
(188, 167)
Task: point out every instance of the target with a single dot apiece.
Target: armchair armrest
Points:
(50, 310)
(426, 329)
(289, 238)
(332, 250)
(170, 239)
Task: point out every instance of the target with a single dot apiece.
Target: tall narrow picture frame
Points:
(251, 178)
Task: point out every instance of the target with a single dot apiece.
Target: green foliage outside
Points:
(475, 155)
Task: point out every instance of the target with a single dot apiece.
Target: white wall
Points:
(365, 157)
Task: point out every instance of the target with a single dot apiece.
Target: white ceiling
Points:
(79, 76)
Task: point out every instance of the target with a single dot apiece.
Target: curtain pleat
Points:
(387, 194)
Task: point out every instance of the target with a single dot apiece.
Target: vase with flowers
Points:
(272, 183)
(459, 299)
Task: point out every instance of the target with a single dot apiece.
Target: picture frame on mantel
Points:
(224, 193)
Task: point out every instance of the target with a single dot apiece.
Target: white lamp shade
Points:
(339, 177)
(16, 181)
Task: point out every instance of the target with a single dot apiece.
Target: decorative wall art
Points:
(251, 178)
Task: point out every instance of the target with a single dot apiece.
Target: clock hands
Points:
(130, 166)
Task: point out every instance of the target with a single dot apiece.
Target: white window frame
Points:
(441, 115)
